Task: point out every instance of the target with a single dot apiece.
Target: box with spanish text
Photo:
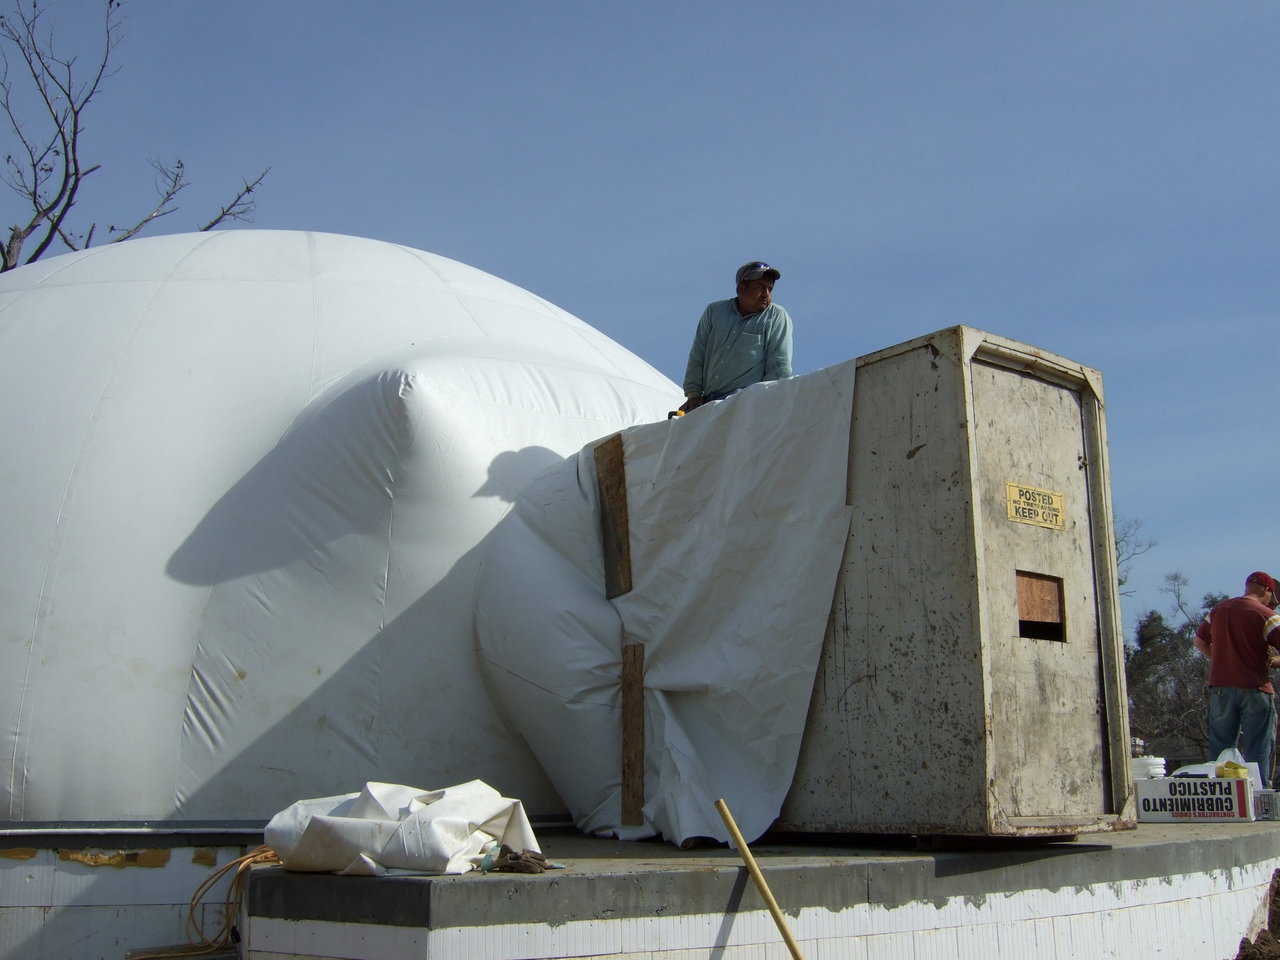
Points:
(1194, 800)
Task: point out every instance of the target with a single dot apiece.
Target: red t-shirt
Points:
(1238, 632)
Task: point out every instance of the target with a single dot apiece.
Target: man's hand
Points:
(692, 403)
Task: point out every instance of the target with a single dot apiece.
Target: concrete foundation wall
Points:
(79, 902)
(1176, 891)
(1183, 917)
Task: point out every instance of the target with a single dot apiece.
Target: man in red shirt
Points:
(1235, 636)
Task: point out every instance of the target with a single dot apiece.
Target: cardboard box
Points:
(1194, 800)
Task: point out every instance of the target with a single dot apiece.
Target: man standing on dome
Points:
(1235, 635)
(740, 341)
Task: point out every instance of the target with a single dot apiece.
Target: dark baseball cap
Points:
(1262, 580)
(754, 270)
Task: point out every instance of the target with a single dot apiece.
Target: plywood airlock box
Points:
(971, 679)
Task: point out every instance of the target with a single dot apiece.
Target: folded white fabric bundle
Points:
(387, 828)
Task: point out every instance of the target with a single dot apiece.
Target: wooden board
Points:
(1039, 597)
(632, 734)
(615, 533)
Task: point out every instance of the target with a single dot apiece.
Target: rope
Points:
(235, 896)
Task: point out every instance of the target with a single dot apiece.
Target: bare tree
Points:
(1175, 586)
(1130, 544)
(45, 166)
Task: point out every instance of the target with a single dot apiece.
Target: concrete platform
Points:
(1168, 890)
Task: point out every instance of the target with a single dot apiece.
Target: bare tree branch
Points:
(170, 181)
(51, 177)
(1175, 585)
(72, 242)
(242, 204)
(1129, 545)
(46, 168)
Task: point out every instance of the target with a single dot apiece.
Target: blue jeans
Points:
(1249, 715)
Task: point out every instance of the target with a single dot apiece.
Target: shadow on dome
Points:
(511, 471)
(408, 705)
(330, 475)
(337, 642)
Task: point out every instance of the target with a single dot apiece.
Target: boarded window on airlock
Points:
(1040, 606)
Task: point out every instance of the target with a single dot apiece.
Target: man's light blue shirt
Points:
(731, 351)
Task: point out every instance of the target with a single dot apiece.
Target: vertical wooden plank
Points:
(632, 734)
(615, 535)
(611, 484)
(1110, 631)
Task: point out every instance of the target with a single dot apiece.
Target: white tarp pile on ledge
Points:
(738, 521)
(387, 827)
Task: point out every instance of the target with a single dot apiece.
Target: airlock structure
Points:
(882, 593)
(972, 675)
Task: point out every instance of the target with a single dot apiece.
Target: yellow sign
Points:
(1043, 508)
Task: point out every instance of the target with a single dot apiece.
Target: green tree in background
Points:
(1166, 677)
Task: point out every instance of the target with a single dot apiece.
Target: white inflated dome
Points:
(244, 475)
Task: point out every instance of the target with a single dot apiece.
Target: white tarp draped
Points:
(738, 522)
(244, 480)
(390, 828)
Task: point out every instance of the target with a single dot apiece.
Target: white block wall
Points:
(1198, 916)
(56, 909)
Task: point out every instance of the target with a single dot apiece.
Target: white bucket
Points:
(1146, 768)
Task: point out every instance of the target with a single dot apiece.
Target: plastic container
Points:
(1146, 768)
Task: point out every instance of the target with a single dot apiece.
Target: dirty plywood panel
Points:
(1039, 597)
(1048, 757)
(895, 733)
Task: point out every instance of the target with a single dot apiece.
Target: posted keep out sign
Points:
(1042, 508)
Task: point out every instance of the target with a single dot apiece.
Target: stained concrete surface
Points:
(610, 879)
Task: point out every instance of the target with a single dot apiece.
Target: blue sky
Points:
(1098, 179)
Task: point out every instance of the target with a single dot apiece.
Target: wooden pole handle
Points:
(754, 869)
